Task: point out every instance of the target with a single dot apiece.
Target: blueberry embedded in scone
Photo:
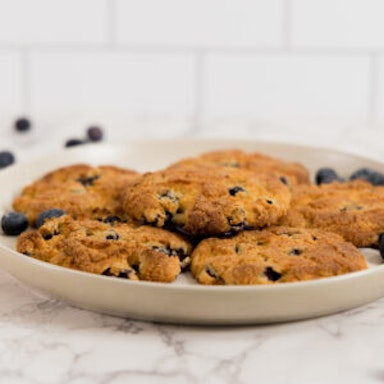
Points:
(291, 173)
(81, 190)
(113, 249)
(352, 209)
(274, 255)
(206, 200)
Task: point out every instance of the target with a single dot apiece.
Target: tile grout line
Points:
(179, 49)
(25, 81)
(287, 25)
(373, 89)
(111, 23)
(197, 118)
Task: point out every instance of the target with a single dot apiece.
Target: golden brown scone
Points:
(115, 249)
(353, 209)
(274, 255)
(80, 190)
(291, 173)
(206, 200)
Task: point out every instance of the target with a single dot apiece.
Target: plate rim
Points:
(192, 288)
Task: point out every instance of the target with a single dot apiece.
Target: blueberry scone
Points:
(114, 248)
(274, 255)
(353, 209)
(81, 190)
(206, 200)
(291, 173)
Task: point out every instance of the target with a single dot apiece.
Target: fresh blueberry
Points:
(381, 245)
(13, 223)
(6, 158)
(368, 174)
(73, 142)
(48, 214)
(326, 176)
(22, 124)
(95, 133)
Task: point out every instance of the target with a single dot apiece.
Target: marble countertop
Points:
(47, 341)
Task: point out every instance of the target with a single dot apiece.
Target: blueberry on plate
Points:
(73, 142)
(326, 176)
(48, 214)
(94, 133)
(381, 245)
(13, 223)
(368, 174)
(6, 158)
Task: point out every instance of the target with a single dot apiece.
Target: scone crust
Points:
(274, 255)
(292, 173)
(116, 249)
(206, 200)
(81, 190)
(353, 209)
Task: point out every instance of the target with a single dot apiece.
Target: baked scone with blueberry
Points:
(81, 190)
(274, 255)
(352, 209)
(291, 173)
(206, 200)
(113, 248)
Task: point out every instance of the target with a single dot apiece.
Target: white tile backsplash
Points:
(112, 82)
(278, 86)
(342, 24)
(201, 23)
(26, 22)
(193, 61)
(11, 85)
(380, 89)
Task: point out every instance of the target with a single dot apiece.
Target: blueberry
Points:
(295, 252)
(112, 236)
(235, 190)
(381, 245)
(22, 124)
(112, 219)
(73, 142)
(6, 158)
(95, 133)
(48, 214)
(87, 181)
(271, 274)
(368, 174)
(13, 223)
(326, 176)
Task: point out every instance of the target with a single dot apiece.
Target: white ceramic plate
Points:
(185, 301)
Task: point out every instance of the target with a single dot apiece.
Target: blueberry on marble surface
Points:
(22, 124)
(13, 223)
(48, 214)
(6, 158)
(372, 176)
